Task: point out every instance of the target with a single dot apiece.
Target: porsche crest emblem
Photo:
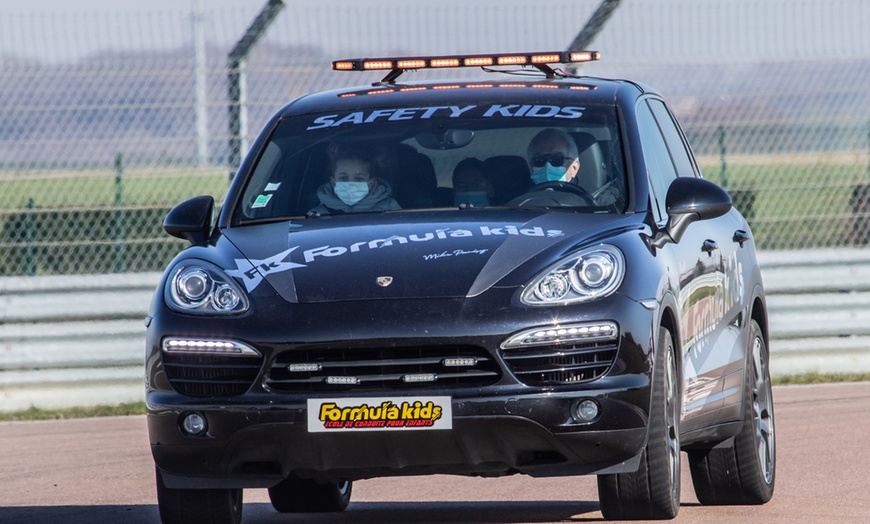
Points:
(384, 281)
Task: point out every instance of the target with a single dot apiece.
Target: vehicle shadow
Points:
(358, 512)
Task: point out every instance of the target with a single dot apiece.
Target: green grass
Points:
(796, 203)
(804, 379)
(96, 188)
(34, 413)
(138, 408)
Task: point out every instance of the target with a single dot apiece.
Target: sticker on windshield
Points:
(261, 201)
(379, 414)
(426, 113)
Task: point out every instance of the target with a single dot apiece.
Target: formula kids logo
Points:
(426, 113)
(373, 414)
(254, 271)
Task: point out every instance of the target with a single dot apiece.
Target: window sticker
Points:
(426, 113)
(272, 186)
(261, 201)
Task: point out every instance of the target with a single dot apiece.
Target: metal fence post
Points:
(723, 163)
(120, 259)
(29, 240)
(236, 81)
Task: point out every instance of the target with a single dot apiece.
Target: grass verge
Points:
(819, 378)
(34, 413)
(138, 408)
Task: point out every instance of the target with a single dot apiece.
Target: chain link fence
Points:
(107, 120)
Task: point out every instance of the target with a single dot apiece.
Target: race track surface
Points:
(100, 471)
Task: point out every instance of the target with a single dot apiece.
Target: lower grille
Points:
(329, 369)
(562, 364)
(211, 375)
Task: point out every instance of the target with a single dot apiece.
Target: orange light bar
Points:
(584, 56)
(444, 62)
(404, 63)
(546, 59)
(378, 64)
(478, 61)
(410, 64)
(512, 60)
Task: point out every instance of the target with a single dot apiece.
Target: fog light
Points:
(586, 410)
(194, 424)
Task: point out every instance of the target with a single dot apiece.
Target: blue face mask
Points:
(475, 198)
(549, 173)
(351, 192)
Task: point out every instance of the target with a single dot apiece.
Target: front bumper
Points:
(258, 438)
(533, 434)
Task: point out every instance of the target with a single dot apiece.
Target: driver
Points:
(552, 157)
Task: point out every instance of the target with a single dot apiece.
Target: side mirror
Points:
(191, 220)
(689, 200)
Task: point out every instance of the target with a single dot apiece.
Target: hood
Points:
(399, 255)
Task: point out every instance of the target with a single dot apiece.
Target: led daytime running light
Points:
(566, 334)
(200, 345)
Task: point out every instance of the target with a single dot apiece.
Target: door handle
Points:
(709, 246)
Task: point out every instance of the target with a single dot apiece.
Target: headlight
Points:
(586, 275)
(196, 286)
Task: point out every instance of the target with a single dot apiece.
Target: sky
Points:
(640, 30)
(121, 6)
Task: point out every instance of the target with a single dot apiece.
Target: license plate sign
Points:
(379, 414)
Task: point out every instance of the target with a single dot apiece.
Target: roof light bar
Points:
(428, 62)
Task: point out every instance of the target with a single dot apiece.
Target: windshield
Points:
(468, 157)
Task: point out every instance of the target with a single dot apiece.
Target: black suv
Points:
(522, 274)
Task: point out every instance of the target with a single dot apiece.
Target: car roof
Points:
(516, 89)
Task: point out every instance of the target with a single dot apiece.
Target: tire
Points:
(743, 471)
(653, 491)
(198, 506)
(293, 495)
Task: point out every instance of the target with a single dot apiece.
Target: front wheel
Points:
(744, 470)
(302, 495)
(653, 491)
(198, 506)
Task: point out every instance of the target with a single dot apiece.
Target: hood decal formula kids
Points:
(357, 246)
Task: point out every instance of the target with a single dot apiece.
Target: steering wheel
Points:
(559, 185)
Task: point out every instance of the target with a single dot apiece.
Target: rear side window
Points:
(676, 145)
(660, 167)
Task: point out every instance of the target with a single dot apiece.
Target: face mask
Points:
(475, 198)
(351, 192)
(549, 173)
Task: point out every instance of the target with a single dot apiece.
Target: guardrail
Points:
(80, 340)
(819, 309)
(73, 340)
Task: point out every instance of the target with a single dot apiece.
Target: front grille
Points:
(359, 369)
(211, 375)
(561, 364)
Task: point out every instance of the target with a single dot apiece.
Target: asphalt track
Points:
(100, 471)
